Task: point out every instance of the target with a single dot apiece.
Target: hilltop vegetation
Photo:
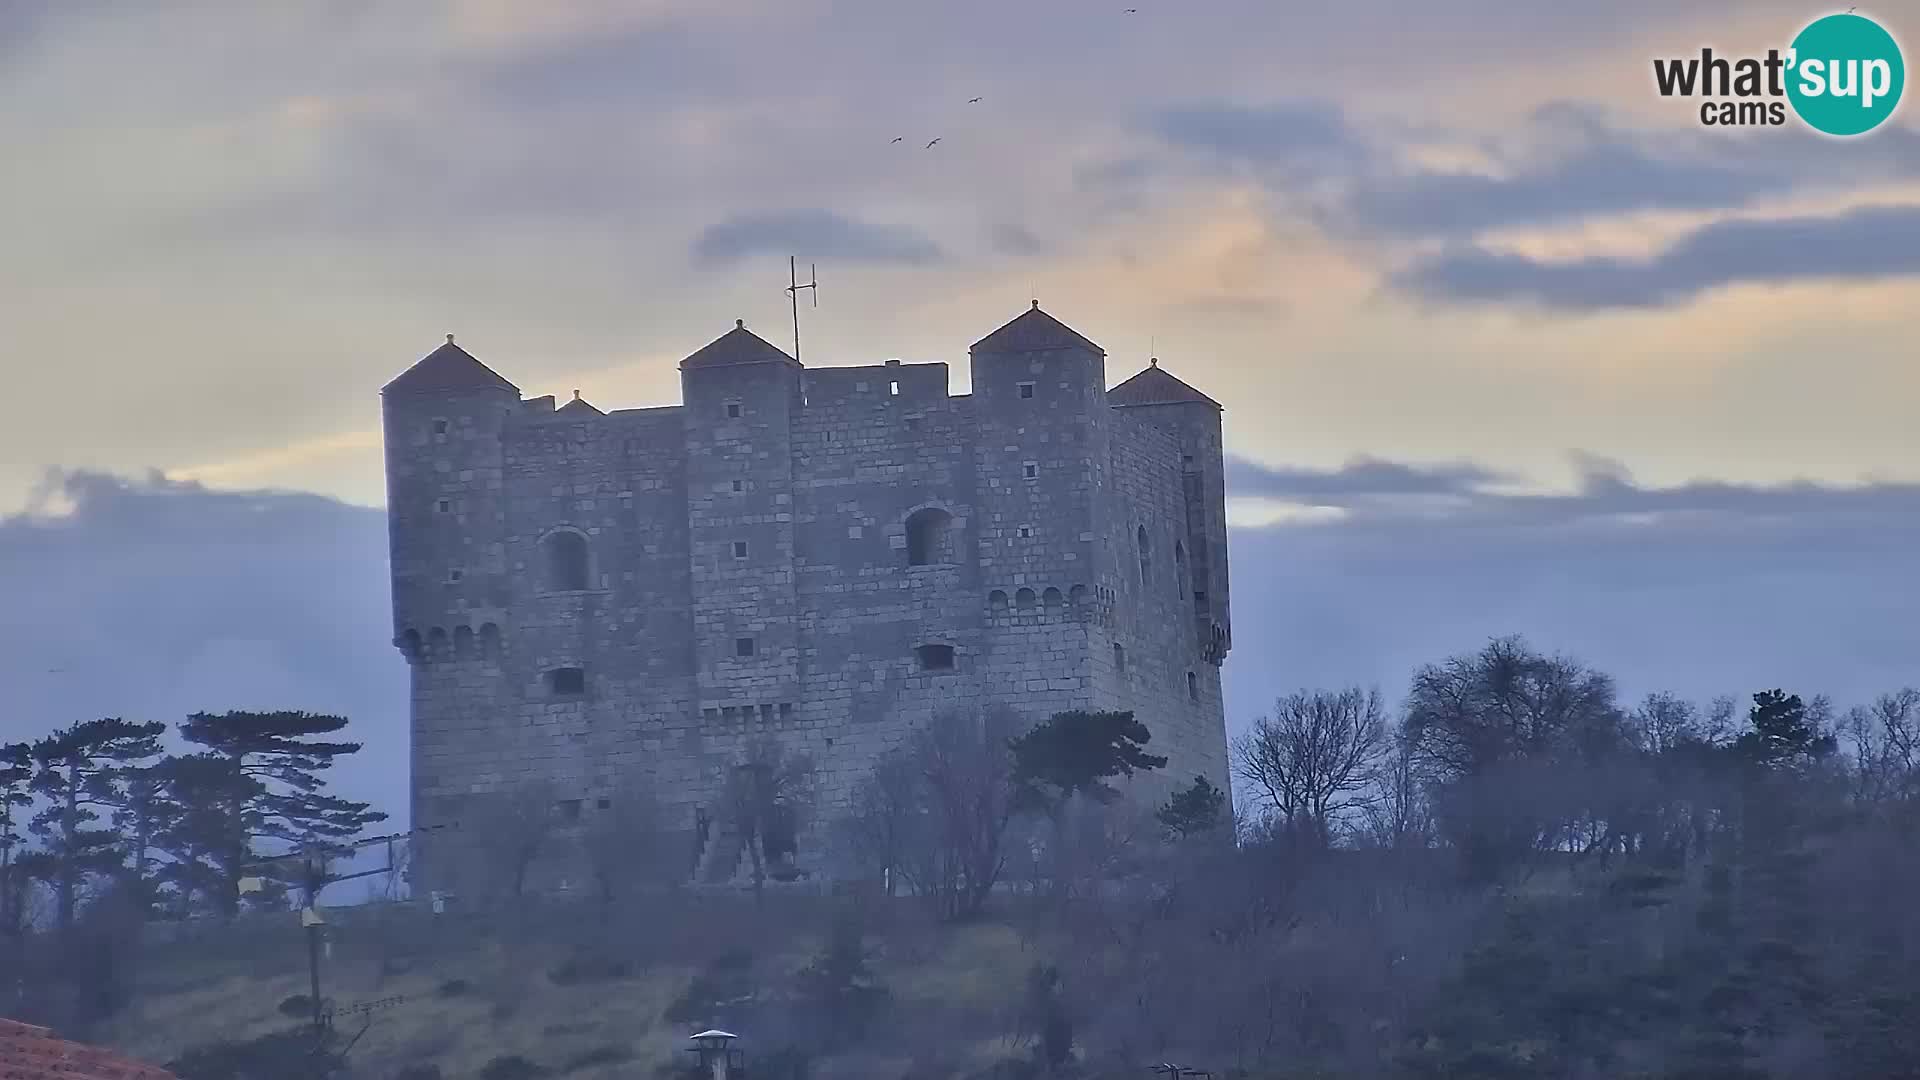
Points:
(1510, 874)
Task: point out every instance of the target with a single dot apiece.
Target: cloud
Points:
(1360, 478)
(152, 599)
(1703, 588)
(1862, 245)
(820, 233)
(1570, 162)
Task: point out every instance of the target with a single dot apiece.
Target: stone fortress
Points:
(827, 556)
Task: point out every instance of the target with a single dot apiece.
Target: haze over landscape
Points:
(1528, 351)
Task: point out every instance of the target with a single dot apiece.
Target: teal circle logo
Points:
(1846, 74)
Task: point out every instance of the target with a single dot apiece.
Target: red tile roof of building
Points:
(35, 1053)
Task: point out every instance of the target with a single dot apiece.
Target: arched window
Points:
(437, 644)
(490, 641)
(929, 537)
(566, 552)
(1077, 595)
(463, 642)
(1146, 555)
(1024, 600)
(1119, 657)
(1053, 601)
(1193, 687)
(997, 602)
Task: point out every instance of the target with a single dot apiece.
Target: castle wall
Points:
(1029, 574)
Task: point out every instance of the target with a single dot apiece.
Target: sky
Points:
(1508, 343)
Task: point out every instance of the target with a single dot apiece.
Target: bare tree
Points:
(962, 766)
(627, 846)
(1398, 816)
(1885, 742)
(507, 831)
(886, 816)
(766, 797)
(1314, 758)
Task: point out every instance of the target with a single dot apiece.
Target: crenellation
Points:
(823, 556)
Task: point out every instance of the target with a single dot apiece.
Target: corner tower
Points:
(445, 419)
(742, 395)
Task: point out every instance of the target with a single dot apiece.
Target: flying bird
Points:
(897, 138)
(930, 145)
(972, 100)
(1131, 11)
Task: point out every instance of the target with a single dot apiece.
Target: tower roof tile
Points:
(737, 346)
(1155, 386)
(1034, 330)
(448, 369)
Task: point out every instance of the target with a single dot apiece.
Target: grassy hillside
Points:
(581, 990)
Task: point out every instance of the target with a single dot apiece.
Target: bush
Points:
(284, 1055)
(599, 1055)
(511, 1067)
(299, 1006)
(589, 965)
(727, 981)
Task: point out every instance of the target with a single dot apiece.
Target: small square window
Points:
(439, 427)
(1026, 532)
(454, 576)
(569, 809)
(893, 388)
(733, 410)
(935, 657)
(1186, 459)
(743, 646)
(603, 804)
(739, 486)
(1026, 389)
(443, 506)
(739, 549)
(567, 680)
(1030, 470)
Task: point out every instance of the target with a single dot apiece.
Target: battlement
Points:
(825, 555)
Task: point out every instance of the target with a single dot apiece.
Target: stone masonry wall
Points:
(1032, 580)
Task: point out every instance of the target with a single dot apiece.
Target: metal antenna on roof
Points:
(793, 294)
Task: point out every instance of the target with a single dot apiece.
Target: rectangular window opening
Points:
(739, 549)
(454, 576)
(935, 657)
(1026, 389)
(439, 427)
(567, 681)
(893, 388)
(569, 809)
(739, 486)
(733, 410)
(1030, 470)
(444, 505)
(743, 646)
(1026, 532)
(1119, 657)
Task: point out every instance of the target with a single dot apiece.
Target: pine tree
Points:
(1078, 752)
(69, 768)
(259, 778)
(1197, 808)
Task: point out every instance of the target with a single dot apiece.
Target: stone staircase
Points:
(720, 862)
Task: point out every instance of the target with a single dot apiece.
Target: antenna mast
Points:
(793, 294)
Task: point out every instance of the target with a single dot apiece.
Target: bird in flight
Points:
(897, 138)
(930, 145)
(1131, 11)
(972, 100)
